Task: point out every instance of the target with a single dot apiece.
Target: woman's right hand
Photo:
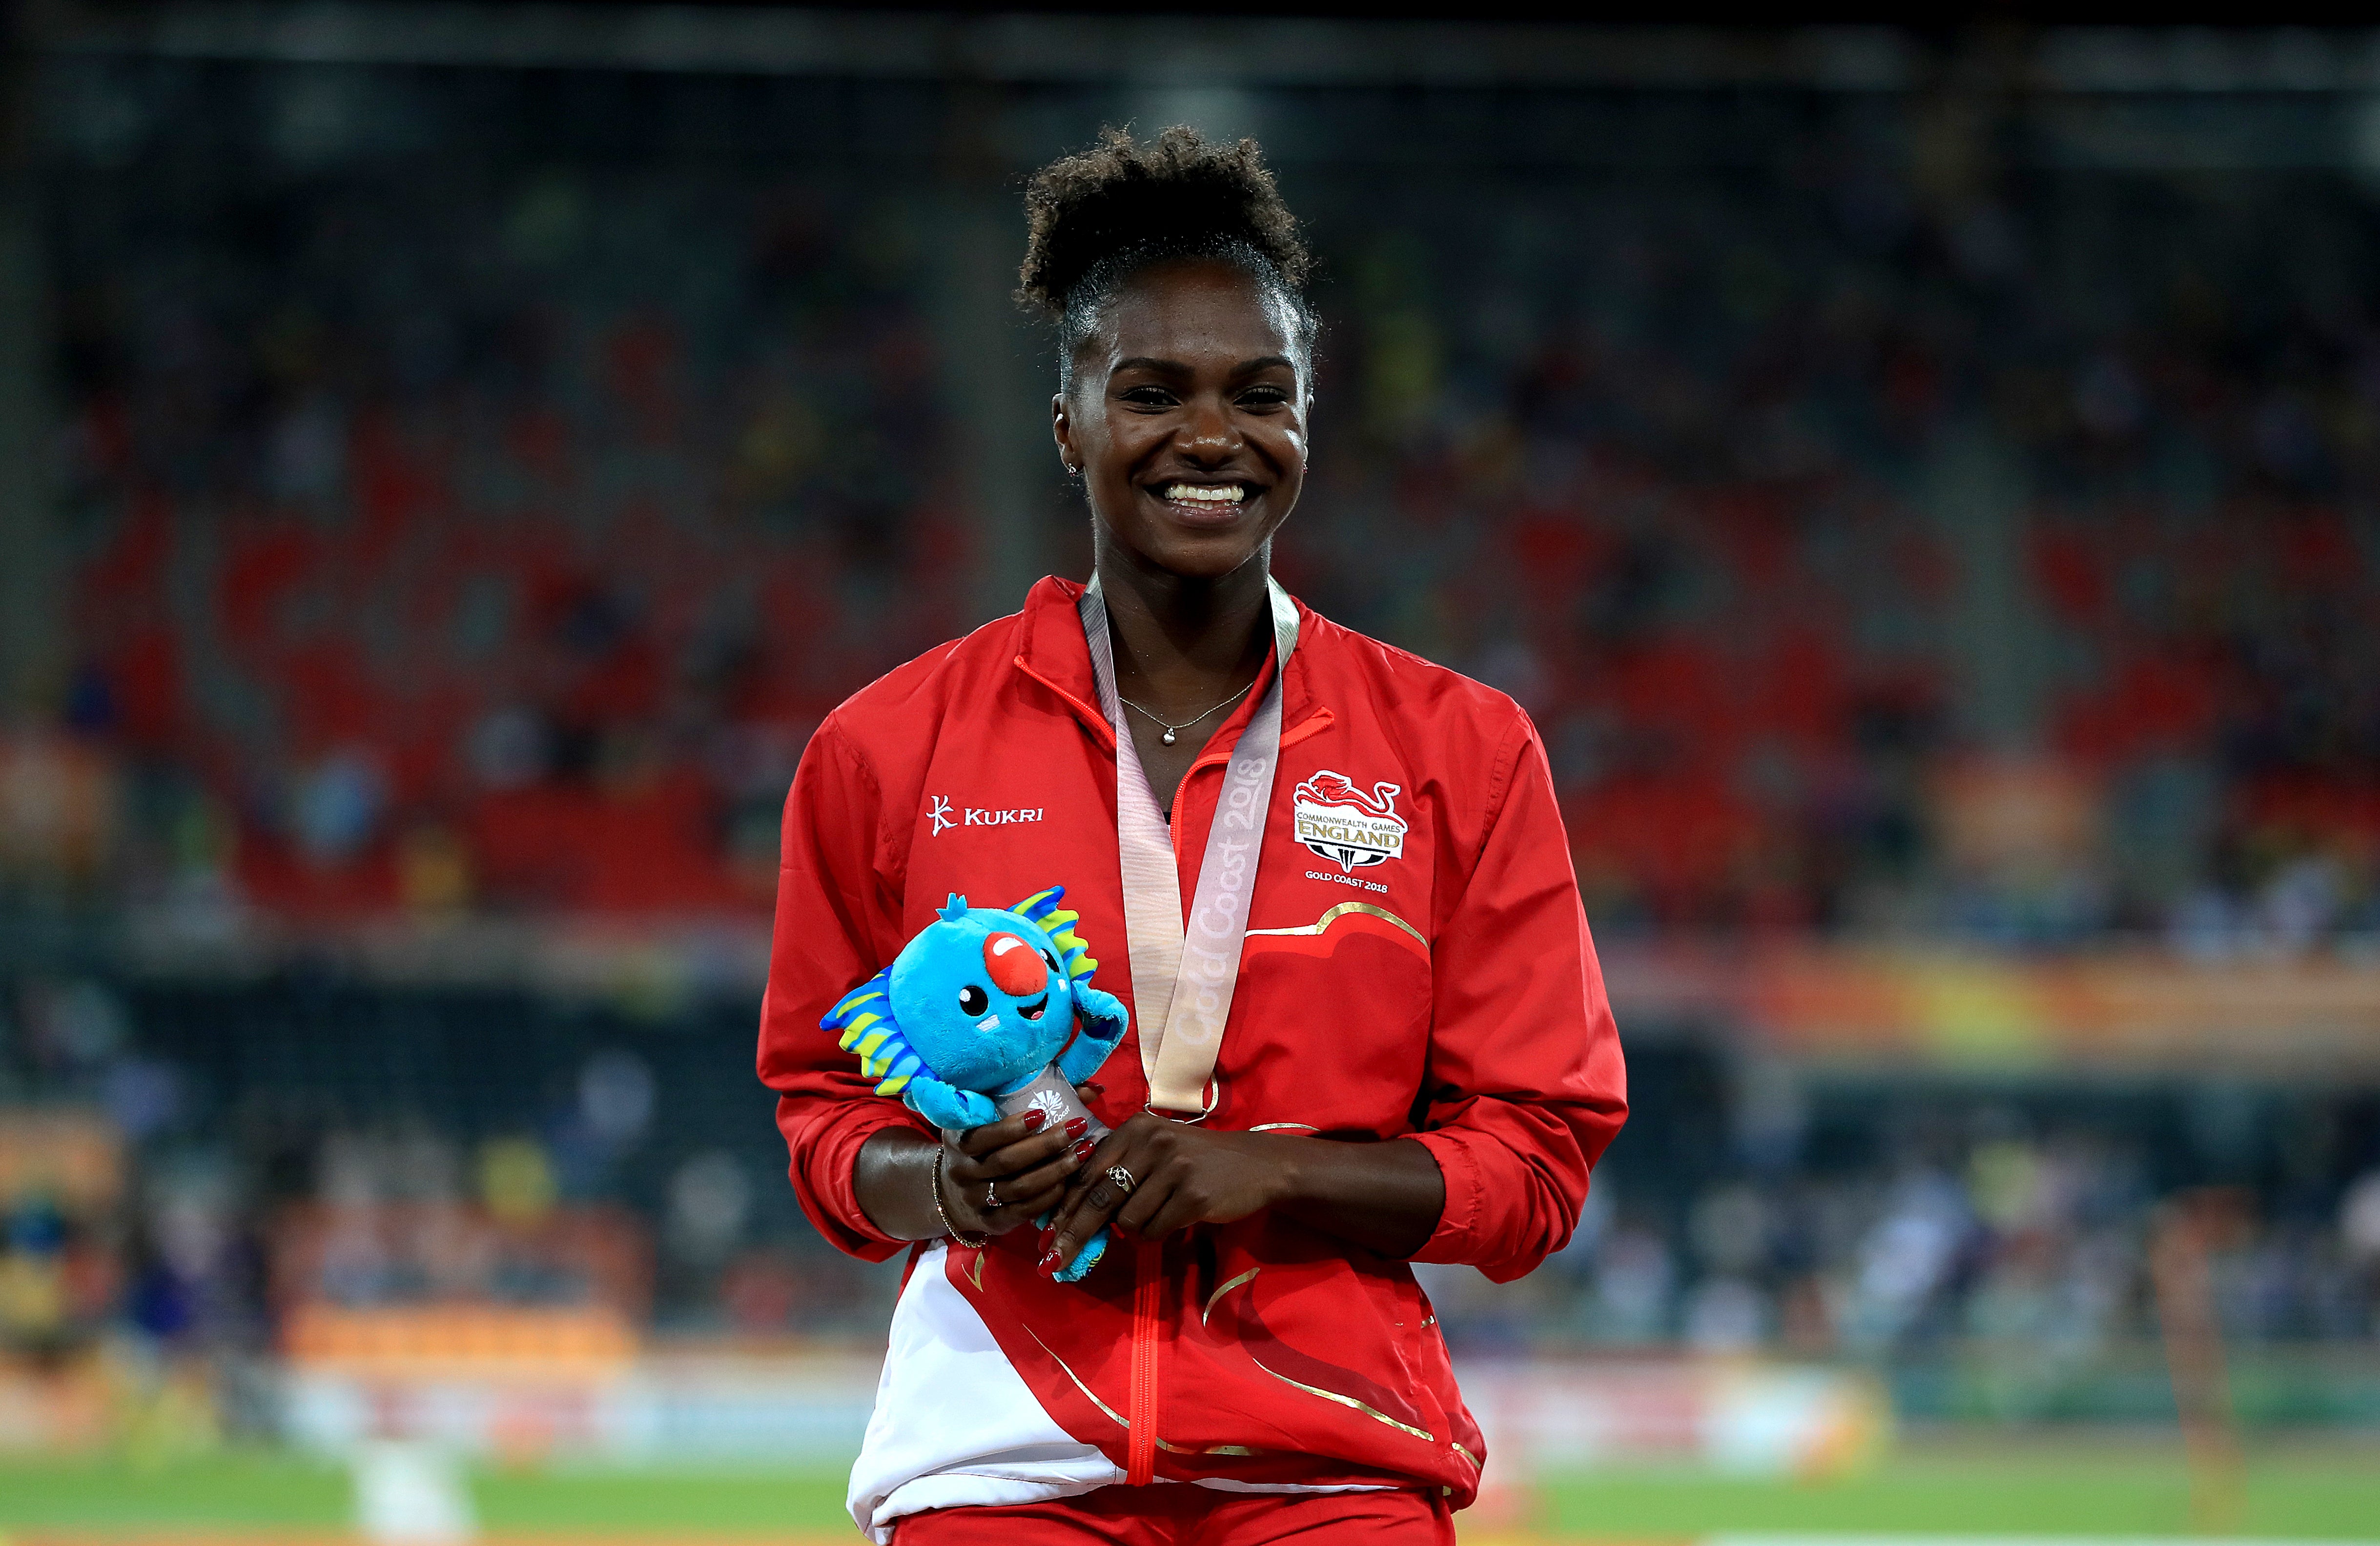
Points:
(1020, 1161)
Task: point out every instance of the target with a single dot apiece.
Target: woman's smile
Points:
(1206, 505)
(1186, 417)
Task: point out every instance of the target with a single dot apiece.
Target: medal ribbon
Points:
(1183, 980)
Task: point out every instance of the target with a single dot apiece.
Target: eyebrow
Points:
(1175, 367)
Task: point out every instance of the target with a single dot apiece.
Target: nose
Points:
(1013, 967)
(1210, 437)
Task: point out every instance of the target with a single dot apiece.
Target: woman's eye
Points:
(1263, 397)
(1149, 397)
(973, 1000)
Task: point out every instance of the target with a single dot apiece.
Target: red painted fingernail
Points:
(1035, 1118)
(1076, 1126)
(1083, 1150)
(1050, 1262)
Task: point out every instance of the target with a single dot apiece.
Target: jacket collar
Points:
(1053, 652)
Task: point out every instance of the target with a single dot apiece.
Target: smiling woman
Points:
(1313, 1092)
(1185, 353)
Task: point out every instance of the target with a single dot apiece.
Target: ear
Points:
(1062, 429)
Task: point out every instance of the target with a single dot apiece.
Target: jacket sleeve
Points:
(836, 924)
(1525, 1085)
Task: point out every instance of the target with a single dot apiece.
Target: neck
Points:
(1183, 640)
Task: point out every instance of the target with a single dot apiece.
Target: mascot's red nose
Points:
(1013, 965)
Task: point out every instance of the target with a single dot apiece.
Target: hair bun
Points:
(1175, 195)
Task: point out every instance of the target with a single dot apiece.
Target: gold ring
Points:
(990, 1195)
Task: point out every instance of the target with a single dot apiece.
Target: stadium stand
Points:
(1961, 556)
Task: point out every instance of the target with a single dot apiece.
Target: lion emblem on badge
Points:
(1347, 827)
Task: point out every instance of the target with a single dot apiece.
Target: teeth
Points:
(1196, 493)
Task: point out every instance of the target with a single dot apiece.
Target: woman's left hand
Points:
(1181, 1175)
(1381, 1197)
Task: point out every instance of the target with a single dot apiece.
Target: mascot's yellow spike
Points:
(852, 1003)
(1059, 925)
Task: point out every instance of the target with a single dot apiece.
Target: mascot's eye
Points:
(973, 1000)
(1050, 959)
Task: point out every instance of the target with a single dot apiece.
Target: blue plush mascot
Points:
(989, 1011)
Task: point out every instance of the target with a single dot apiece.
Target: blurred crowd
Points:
(1893, 543)
(2004, 1234)
(191, 1172)
(1951, 555)
(2037, 1248)
(437, 551)
(1887, 549)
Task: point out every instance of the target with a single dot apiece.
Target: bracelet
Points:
(940, 1212)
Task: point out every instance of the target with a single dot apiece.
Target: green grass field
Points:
(272, 1492)
(2065, 1485)
(2077, 1486)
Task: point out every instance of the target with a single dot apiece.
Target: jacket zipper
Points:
(1148, 1256)
(1148, 1325)
(1149, 1261)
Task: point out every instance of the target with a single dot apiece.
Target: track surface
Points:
(2061, 1485)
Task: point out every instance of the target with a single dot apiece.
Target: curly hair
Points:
(1096, 218)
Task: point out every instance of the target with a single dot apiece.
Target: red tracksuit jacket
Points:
(1437, 984)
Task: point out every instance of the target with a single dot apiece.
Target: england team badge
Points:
(1347, 827)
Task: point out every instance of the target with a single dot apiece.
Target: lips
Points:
(1033, 1010)
(1182, 491)
(1204, 504)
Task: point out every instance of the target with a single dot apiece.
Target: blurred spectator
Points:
(709, 1203)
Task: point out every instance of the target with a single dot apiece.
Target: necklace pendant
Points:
(1166, 738)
